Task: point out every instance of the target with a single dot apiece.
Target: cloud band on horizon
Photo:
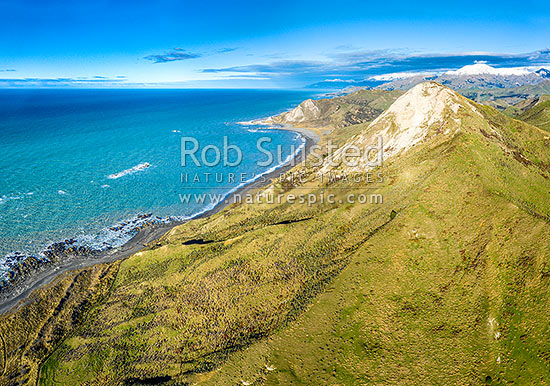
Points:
(63, 82)
(358, 66)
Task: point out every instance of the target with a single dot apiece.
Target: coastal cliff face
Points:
(306, 111)
(444, 281)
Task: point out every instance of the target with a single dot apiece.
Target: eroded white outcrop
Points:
(425, 110)
(306, 111)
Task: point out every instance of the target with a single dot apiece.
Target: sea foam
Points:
(132, 170)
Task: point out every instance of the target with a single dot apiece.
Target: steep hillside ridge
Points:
(431, 115)
(538, 113)
(427, 110)
(454, 290)
(508, 100)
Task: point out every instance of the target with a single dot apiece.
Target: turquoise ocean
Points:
(86, 164)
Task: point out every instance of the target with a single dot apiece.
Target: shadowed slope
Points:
(539, 113)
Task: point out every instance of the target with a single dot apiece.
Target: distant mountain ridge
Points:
(478, 75)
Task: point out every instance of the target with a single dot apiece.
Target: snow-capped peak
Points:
(483, 68)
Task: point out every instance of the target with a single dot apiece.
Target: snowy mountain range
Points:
(471, 76)
(477, 75)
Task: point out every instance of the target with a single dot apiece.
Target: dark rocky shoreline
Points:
(22, 266)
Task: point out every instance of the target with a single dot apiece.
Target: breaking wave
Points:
(132, 170)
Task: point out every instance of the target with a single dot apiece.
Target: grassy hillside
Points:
(539, 113)
(508, 100)
(359, 107)
(444, 282)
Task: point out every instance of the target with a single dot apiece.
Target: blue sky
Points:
(285, 44)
